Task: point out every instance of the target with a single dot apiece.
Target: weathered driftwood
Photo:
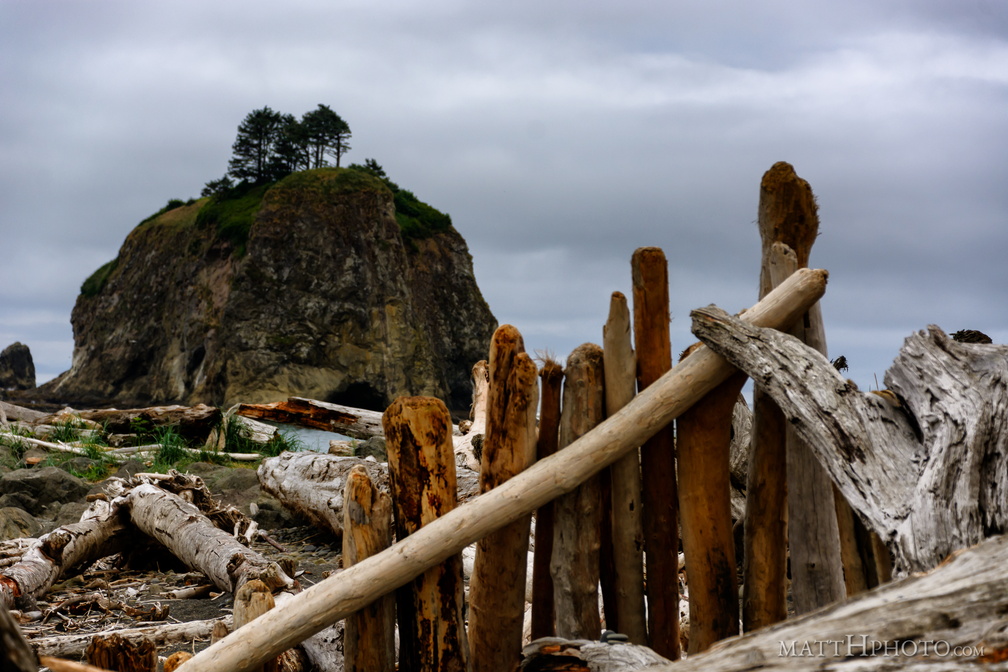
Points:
(658, 469)
(620, 370)
(554, 653)
(924, 461)
(332, 599)
(578, 514)
(469, 447)
(703, 443)
(311, 485)
(161, 635)
(369, 635)
(432, 633)
(252, 600)
(101, 532)
(542, 617)
(193, 539)
(115, 652)
(355, 422)
(193, 422)
(497, 587)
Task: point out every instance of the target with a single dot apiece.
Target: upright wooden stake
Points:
(549, 429)
(497, 587)
(576, 537)
(114, 652)
(658, 469)
(627, 523)
(432, 632)
(703, 445)
(788, 214)
(369, 636)
(764, 568)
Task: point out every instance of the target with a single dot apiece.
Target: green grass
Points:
(94, 285)
(416, 219)
(231, 214)
(173, 447)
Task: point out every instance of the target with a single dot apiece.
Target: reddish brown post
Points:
(658, 469)
(703, 443)
(549, 428)
(432, 635)
(497, 588)
(369, 637)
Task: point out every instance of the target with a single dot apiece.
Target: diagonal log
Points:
(925, 462)
(333, 598)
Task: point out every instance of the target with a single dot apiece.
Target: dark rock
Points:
(16, 522)
(17, 370)
(323, 298)
(129, 468)
(42, 487)
(78, 465)
(373, 447)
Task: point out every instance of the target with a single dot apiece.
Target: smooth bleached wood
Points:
(336, 597)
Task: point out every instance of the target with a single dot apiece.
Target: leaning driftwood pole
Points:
(549, 431)
(576, 535)
(703, 443)
(497, 586)
(432, 632)
(369, 635)
(658, 468)
(334, 598)
(627, 524)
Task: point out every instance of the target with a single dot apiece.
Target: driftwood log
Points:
(194, 423)
(312, 485)
(16, 654)
(469, 447)
(355, 422)
(925, 461)
(497, 587)
(334, 598)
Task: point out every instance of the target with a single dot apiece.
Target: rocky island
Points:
(330, 283)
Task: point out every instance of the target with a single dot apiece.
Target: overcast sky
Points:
(559, 135)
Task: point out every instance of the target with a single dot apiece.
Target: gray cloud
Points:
(560, 137)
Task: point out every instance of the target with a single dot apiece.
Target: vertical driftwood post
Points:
(251, 601)
(432, 632)
(576, 536)
(369, 637)
(497, 587)
(764, 580)
(549, 429)
(788, 215)
(703, 443)
(114, 652)
(660, 497)
(627, 523)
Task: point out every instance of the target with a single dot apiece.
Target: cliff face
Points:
(322, 298)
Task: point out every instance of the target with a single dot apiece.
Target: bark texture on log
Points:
(497, 587)
(16, 654)
(543, 620)
(332, 599)
(658, 469)
(355, 422)
(578, 515)
(115, 652)
(369, 635)
(194, 540)
(925, 461)
(703, 443)
(620, 370)
(430, 610)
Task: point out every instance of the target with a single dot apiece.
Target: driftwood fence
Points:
(842, 487)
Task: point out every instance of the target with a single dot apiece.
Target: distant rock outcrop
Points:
(304, 288)
(17, 370)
